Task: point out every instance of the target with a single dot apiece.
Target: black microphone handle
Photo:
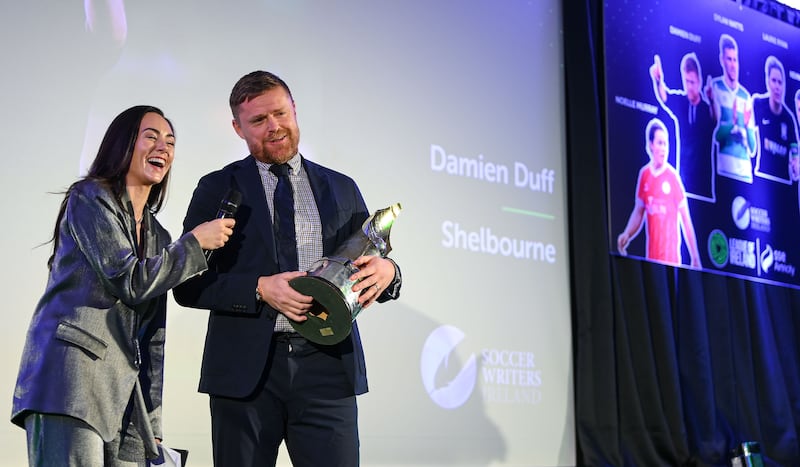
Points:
(227, 208)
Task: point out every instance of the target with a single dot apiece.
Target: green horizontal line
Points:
(529, 213)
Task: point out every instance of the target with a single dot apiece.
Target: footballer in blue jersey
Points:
(735, 134)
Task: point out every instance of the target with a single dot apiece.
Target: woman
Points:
(89, 387)
(661, 200)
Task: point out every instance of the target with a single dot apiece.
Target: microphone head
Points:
(230, 203)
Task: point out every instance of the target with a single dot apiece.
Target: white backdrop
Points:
(453, 108)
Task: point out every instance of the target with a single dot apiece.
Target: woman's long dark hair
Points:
(113, 160)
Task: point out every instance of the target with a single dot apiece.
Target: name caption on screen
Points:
(477, 168)
(485, 241)
(731, 23)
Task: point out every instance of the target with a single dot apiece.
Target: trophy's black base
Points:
(330, 319)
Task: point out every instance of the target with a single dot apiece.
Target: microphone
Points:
(227, 208)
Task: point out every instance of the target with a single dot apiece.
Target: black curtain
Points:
(672, 366)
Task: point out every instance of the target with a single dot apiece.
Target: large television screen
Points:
(703, 99)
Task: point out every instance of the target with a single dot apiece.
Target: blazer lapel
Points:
(326, 205)
(249, 183)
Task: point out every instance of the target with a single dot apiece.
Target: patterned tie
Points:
(283, 204)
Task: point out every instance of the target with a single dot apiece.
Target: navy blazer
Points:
(240, 328)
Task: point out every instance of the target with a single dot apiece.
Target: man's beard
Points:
(274, 157)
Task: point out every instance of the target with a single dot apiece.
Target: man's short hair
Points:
(727, 42)
(253, 85)
(690, 64)
(773, 62)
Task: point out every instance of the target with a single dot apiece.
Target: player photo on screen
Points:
(716, 94)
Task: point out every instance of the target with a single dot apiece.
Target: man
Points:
(797, 104)
(794, 157)
(777, 129)
(266, 383)
(694, 126)
(732, 109)
(661, 199)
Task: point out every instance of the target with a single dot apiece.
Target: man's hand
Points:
(655, 69)
(374, 275)
(276, 291)
(748, 112)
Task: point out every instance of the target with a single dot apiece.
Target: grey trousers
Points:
(58, 440)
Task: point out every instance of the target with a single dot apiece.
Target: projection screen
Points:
(452, 108)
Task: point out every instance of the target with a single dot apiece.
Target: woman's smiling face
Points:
(153, 153)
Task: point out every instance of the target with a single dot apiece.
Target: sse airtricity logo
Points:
(767, 258)
(435, 356)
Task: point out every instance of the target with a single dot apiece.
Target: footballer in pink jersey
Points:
(661, 196)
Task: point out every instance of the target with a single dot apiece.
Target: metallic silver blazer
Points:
(100, 324)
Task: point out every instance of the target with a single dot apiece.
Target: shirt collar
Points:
(295, 163)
